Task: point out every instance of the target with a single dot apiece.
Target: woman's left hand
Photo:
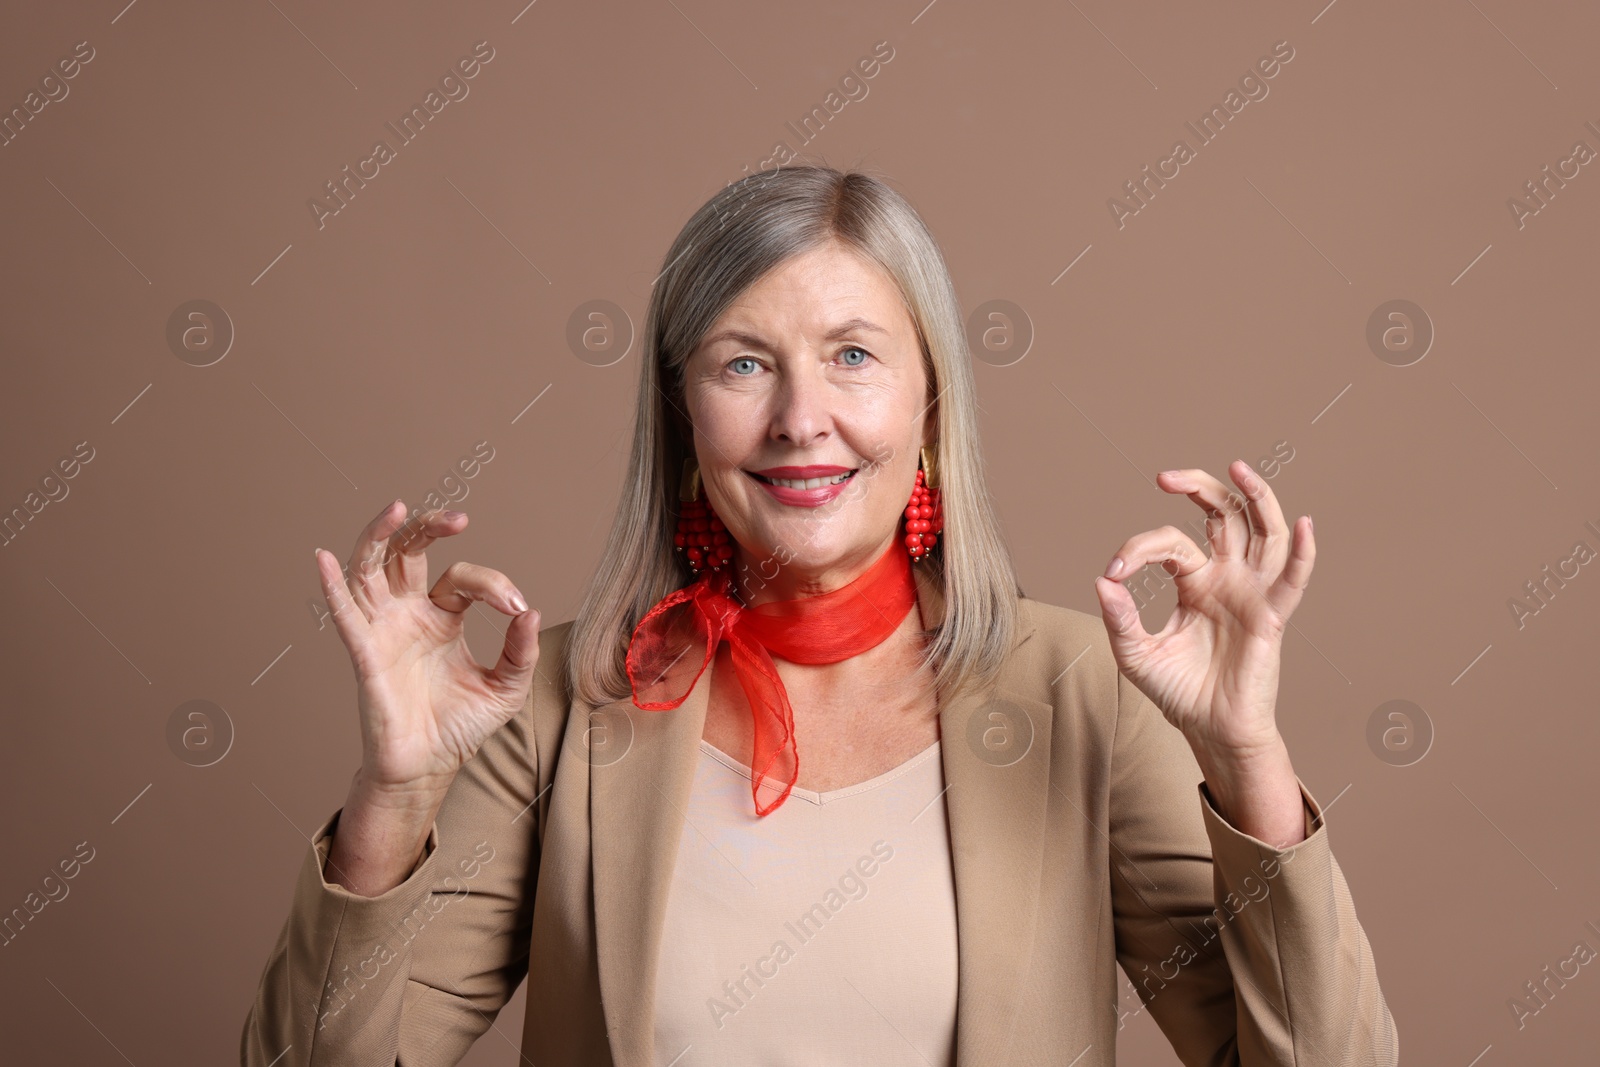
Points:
(1213, 668)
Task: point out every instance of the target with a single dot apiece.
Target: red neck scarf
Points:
(686, 627)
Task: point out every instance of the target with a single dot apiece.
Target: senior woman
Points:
(808, 779)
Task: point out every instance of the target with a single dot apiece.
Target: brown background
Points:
(370, 355)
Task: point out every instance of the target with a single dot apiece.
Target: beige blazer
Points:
(1082, 838)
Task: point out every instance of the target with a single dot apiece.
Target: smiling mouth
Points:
(804, 483)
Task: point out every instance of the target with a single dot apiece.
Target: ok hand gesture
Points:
(1213, 668)
(426, 704)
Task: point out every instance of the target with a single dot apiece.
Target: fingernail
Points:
(1309, 523)
(518, 603)
(454, 514)
(1115, 568)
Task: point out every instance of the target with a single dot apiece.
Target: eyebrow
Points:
(844, 328)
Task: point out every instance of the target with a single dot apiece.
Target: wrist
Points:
(1234, 770)
(419, 796)
(1255, 790)
(381, 836)
(1241, 755)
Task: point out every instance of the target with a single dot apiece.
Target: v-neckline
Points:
(827, 796)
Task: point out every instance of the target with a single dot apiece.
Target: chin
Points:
(823, 553)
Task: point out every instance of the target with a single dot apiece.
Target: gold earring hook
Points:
(689, 482)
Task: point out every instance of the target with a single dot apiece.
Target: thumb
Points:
(514, 669)
(1121, 616)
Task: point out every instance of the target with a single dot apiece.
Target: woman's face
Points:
(815, 366)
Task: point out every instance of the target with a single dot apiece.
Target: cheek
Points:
(725, 429)
(883, 496)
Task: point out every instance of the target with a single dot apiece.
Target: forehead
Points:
(815, 292)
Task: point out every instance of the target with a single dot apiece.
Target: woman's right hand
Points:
(426, 705)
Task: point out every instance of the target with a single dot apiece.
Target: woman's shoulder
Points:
(1060, 627)
(1058, 618)
(551, 694)
(554, 638)
(1063, 657)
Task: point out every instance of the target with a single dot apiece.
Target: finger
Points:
(365, 573)
(348, 619)
(1226, 528)
(1285, 594)
(462, 583)
(1269, 533)
(513, 671)
(406, 565)
(1165, 545)
(1124, 628)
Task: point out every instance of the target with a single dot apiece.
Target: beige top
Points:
(824, 932)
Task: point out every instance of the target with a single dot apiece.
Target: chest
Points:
(763, 918)
(841, 743)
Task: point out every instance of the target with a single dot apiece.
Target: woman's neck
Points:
(773, 578)
(884, 674)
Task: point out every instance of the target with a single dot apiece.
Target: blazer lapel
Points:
(636, 815)
(995, 751)
(995, 747)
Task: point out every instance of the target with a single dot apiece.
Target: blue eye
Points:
(742, 359)
(863, 356)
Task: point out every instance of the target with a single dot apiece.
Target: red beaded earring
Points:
(700, 535)
(925, 511)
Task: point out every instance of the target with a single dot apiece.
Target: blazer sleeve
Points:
(1243, 953)
(414, 976)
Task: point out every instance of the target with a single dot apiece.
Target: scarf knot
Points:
(676, 640)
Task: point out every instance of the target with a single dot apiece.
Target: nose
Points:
(801, 412)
